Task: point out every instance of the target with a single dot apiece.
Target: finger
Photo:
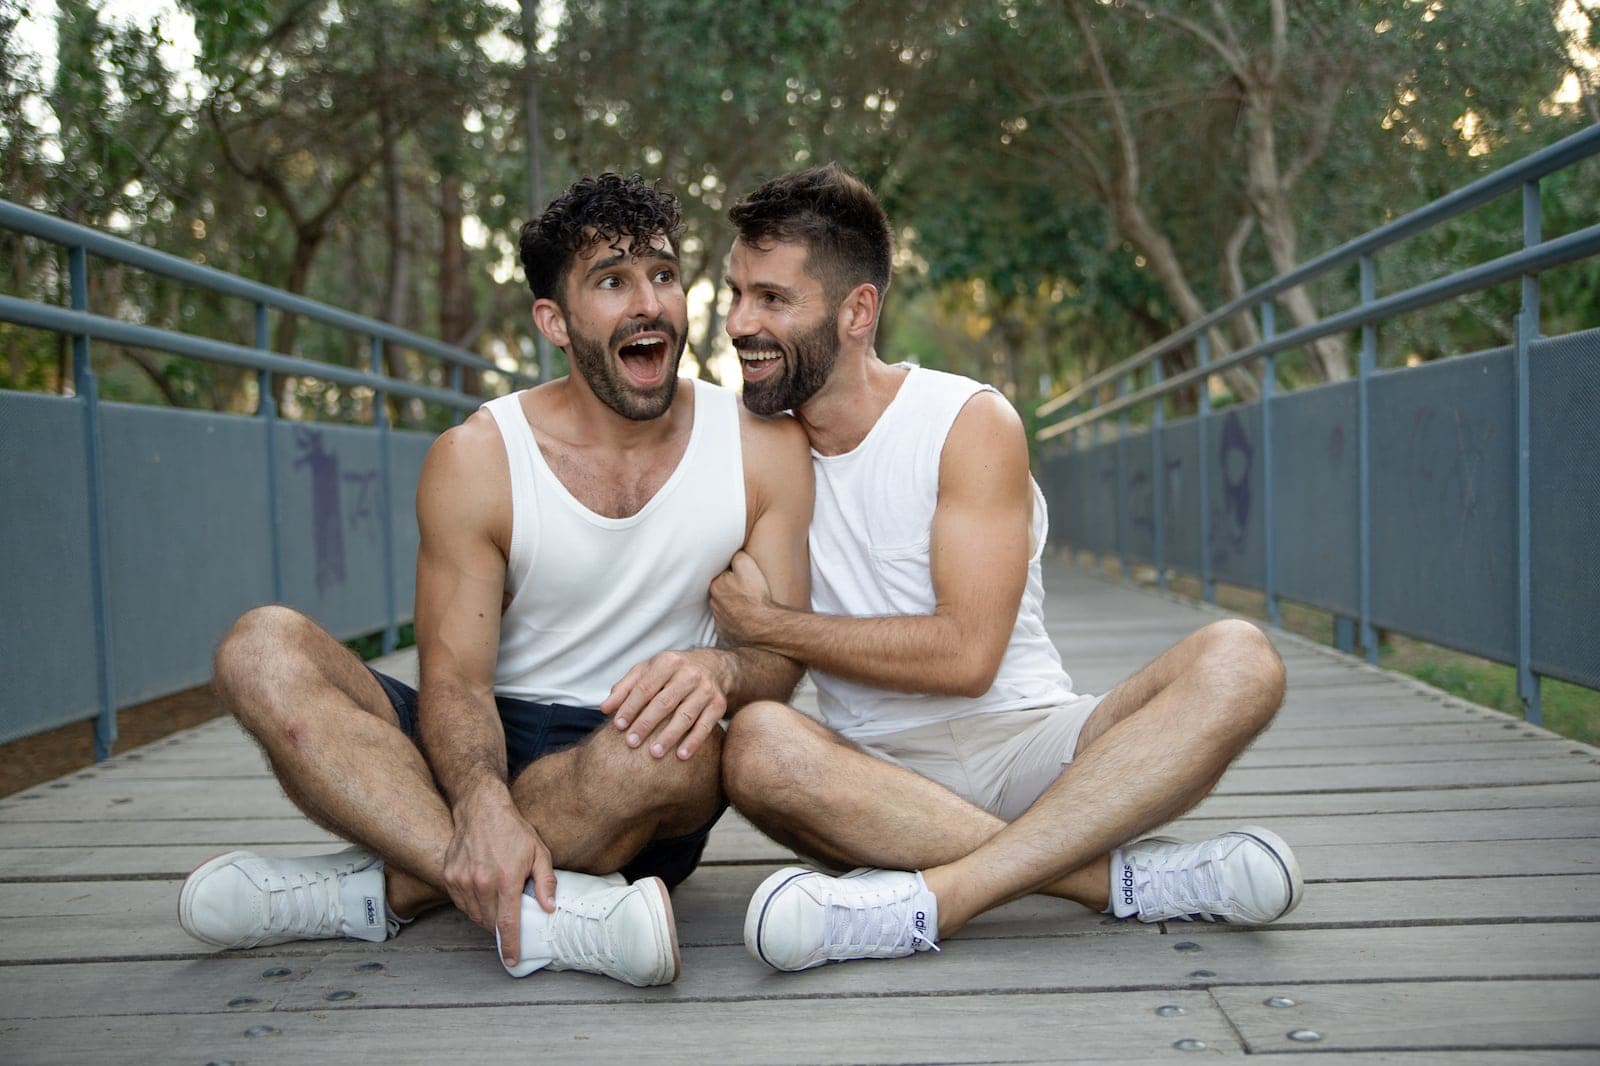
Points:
(664, 695)
(508, 919)
(744, 567)
(702, 728)
(619, 692)
(684, 716)
(658, 722)
(544, 880)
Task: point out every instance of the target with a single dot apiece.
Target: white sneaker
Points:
(801, 918)
(601, 925)
(1248, 877)
(245, 900)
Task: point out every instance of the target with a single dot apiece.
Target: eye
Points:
(610, 281)
(771, 299)
(666, 276)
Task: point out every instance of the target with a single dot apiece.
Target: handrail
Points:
(1576, 245)
(1563, 153)
(47, 227)
(99, 327)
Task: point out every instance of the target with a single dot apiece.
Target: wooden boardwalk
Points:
(1452, 861)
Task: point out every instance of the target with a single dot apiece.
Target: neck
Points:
(575, 414)
(843, 412)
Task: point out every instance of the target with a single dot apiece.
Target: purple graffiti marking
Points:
(327, 526)
(363, 510)
(1237, 457)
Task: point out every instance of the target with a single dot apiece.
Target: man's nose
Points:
(646, 301)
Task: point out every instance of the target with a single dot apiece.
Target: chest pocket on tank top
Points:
(904, 576)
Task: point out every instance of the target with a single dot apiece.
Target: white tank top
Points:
(590, 595)
(869, 556)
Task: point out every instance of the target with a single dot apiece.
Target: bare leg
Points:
(1153, 748)
(335, 743)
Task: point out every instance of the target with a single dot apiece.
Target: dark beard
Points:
(807, 365)
(591, 360)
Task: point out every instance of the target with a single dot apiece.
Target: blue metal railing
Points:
(84, 327)
(1079, 409)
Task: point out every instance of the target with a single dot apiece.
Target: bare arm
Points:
(463, 514)
(979, 559)
(679, 696)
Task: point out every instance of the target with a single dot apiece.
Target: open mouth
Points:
(644, 360)
(760, 363)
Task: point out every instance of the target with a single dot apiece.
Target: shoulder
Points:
(987, 440)
(777, 455)
(466, 477)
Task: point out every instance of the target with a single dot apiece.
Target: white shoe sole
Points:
(191, 885)
(1285, 856)
(666, 930)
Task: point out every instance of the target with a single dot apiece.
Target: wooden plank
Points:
(1012, 1028)
(1507, 1015)
(1529, 797)
(1331, 755)
(220, 833)
(1400, 828)
(1243, 780)
(1465, 732)
(1125, 957)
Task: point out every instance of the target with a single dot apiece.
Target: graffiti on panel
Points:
(1236, 456)
(1447, 460)
(329, 514)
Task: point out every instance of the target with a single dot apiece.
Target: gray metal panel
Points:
(329, 494)
(47, 645)
(1099, 502)
(1238, 533)
(408, 451)
(1138, 531)
(1565, 401)
(1052, 470)
(1316, 497)
(189, 537)
(1444, 498)
(1180, 504)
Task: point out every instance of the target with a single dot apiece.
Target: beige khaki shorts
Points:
(1000, 761)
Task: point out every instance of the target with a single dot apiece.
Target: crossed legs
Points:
(336, 747)
(1154, 747)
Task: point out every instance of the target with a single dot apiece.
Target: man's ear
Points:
(551, 321)
(858, 314)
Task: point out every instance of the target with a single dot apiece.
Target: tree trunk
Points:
(455, 294)
(288, 331)
(398, 227)
(530, 105)
(716, 256)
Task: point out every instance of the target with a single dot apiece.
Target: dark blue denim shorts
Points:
(537, 729)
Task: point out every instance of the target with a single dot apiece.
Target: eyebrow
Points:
(612, 260)
(769, 286)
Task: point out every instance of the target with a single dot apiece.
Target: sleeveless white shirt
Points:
(869, 556)
(590, 595)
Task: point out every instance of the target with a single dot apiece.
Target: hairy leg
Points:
(1153, 749)
(334, 741)
(598, 802)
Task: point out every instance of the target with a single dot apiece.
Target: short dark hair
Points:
(834, 214)
(608, 207)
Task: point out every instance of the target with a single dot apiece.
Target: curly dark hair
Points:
(608, 208)
(834, 214)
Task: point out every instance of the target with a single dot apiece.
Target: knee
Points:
(256, 657)
(1242, 653)
(766, 753)
(612, 769)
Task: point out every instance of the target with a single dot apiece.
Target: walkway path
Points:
(1452, 915)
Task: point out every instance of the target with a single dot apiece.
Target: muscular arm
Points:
(979, 559)
(463, 515)
(778, 496)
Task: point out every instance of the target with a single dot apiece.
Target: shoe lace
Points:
(304, 903)
(1186, 885)
(576, 933)
(871, 922)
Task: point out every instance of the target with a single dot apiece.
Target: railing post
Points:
(455, 386)
(1202, 349)
(1123, 532)
(88, 390)
(1528, 682)
(380, 420)
(1158, 479)
(1365, 364)
(267, 410)
(1269, 386)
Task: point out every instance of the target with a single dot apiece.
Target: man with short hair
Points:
(569, 534)
(957, 763)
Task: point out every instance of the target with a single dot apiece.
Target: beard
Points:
(591, 359)
(807, 362)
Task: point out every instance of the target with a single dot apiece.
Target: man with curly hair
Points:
(559, 769)
(957, 764)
